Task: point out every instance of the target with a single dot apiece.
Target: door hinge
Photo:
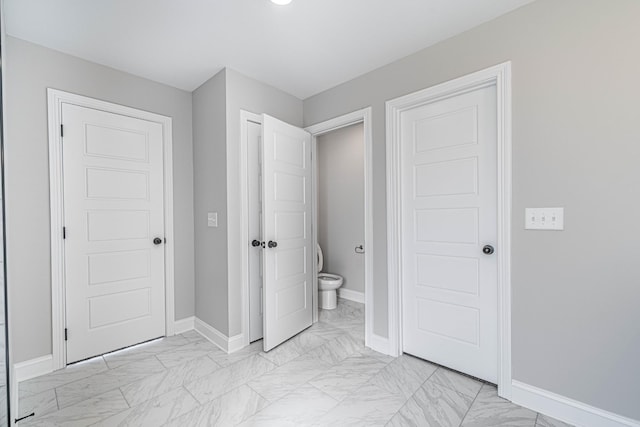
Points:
(61, 131)
(66, 334)
(64, 232)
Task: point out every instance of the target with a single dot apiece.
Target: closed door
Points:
(449, 215)
(286, 230)
(113, 211)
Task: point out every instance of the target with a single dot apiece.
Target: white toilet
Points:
(328, 284)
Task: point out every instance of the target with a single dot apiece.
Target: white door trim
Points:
(361, 116)
(245, 117)
(500, 76)
(55, 100)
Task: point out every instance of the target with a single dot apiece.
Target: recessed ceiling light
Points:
(281, 2)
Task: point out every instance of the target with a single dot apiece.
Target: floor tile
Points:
(286, 378)
(193, 350)
(490, 410)
(154, 412)
(85, 413)
(192, 336)
(456, 381)
(162, 382)
(225, 359)
(546, 421)
(218, 383)
(343, 379)
(404, 375)
(61, 377)
(143, 351)
(85, 388)
(227, 410)
(40, 404)
(302, 407)
(325, 330)
(370, 405)
(336, 349)
(372, 353)
(296, 346)
(433, 405)
(324, 376)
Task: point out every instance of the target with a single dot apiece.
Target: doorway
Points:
(249, 120)
(449, 193)
(340, 210)
(111, 226)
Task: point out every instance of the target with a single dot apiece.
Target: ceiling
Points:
(303, 48)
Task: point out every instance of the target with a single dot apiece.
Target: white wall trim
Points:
(55, 100)
(361, 116)
(33, 368)
(351, 295)
(500, 76)
(229, 345)
(184, 325)
(566, 409)
(379, 344)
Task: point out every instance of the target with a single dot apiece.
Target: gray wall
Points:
(341, 203)
(210, 186)
(216, 121)
(30, 70)
(576, 143)
(244, 93)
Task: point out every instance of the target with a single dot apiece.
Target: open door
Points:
(286, 231)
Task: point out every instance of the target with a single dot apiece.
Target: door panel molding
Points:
(500, 76)
(56, 98)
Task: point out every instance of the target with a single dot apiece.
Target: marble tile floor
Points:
(322, 377)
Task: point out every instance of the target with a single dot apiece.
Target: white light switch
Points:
(544, 219)
(212, 219)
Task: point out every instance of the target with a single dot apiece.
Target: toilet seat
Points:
(328, 282)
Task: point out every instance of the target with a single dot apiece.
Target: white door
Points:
(113, 211)
(254, 180)
(449, 214)
(286, 226)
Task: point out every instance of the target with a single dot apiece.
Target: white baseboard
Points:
(566, 409)
(379, 344)
(33, 368)
(354, 296)
(184, 325)
(227, 344)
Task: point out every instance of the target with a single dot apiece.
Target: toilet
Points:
(328, 284)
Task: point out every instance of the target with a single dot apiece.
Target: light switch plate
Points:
(544, 219)
(212, 219)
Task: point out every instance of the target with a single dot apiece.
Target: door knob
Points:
(157, 241)
(488, 249)
(272, 244)
(255, 243)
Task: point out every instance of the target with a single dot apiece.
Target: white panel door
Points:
(113, 210)
(449, 214)
(254, 179)
(286, 222)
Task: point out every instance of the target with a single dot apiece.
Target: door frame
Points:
(245, 117)
(55, 99)
(360, 116)
(500, 76)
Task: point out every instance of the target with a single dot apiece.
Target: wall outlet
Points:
(544, 219)
(212, 219)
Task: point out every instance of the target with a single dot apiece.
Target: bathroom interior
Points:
(340, 216)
